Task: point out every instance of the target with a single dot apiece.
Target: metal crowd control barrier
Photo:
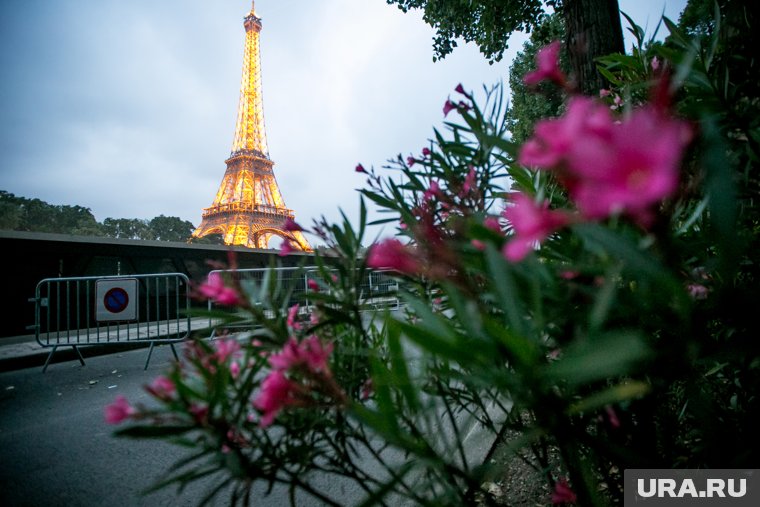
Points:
(101, 310)
(379, 289)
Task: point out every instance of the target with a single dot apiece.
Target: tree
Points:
(22, 214)
(170, 228)
(526, 106)
(593, 28)
(127, 228)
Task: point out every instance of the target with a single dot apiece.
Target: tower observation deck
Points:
(248, 208)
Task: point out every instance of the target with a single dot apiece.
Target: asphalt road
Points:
(57, 450)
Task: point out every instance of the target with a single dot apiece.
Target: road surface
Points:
(57, 450)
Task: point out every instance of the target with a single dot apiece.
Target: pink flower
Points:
(697, 291)
(553, 139)
(434, 190)
(460, 89)
(161, 387)
(234, 369)
(569, 274)
(290, 225)
(199, 412)
(368, 388)
(313, 285)
(215, 290)
(448, 106)
(410, 161)
(634, 166)
(119, 410)
(655, 63)
(277, 392)
(292, 316)
(391, 254)
(492, 223)
(531, 223)
(547, 63)
(360, 169)
(562, 492)
(425, 152)
(286, 248)
(226, 348)
(478, 245)
(612, 417)
(607, 166)
(604, 93)
(310, 352)
(469, 182)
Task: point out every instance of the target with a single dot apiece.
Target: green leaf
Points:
(434, 343)
(597, 358)
(604, 300)
(620, 247)
(503, 284)
(609, 396)
(399, 370)
(721, 190)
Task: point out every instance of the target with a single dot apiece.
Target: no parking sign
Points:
(116, 299)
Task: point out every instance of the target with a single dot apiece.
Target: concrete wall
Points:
(28, 257)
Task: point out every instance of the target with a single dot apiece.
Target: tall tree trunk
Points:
(593, 30)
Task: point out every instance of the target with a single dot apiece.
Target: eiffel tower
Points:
(248, 208)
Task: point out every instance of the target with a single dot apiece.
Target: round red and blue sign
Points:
(116, 300)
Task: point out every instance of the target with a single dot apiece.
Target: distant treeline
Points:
(23, 214)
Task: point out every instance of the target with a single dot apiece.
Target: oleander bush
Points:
(590, 293)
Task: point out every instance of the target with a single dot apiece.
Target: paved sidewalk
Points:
(20, 352)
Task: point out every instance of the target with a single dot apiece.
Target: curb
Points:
(64, 354)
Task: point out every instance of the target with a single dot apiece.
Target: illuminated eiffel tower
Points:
(248, 208)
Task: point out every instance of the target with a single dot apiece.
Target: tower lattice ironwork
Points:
(248, 208)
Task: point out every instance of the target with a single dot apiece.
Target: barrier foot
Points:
(81, 359)
(49, 357)
(150, 353)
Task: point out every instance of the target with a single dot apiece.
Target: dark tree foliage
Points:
(593, 28)
(737, 43)
(210, 239)
(127, 228)
(527, 106)
(170, 228)
(23, 214)
(488, 23)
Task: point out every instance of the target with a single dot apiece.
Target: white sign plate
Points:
(116, 299)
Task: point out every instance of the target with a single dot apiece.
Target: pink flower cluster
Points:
(310, 356)
(310, 352)
(562, 493)
(531, 223)
(226, 348)
(610, 166)
(392, 254)
(119, 411)
(449, 105)
(161, 388)
(215, 290)
(547, 62)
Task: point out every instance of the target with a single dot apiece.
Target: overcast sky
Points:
(129, 107)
